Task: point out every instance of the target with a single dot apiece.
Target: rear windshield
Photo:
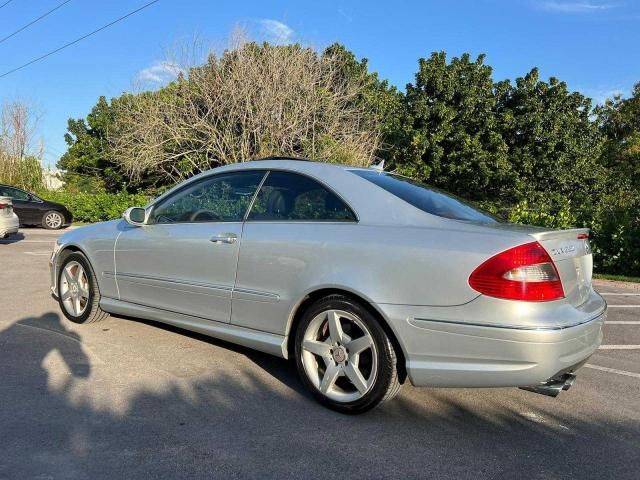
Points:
(426, 198)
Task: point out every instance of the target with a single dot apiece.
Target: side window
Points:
(220, 198)
(289, 196)
(17, 194)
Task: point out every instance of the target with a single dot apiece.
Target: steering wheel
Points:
(204, 215)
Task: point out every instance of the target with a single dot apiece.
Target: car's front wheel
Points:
(53, 220)
(78, 292)
(344, 356)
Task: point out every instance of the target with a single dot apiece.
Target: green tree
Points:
(454, 141)
(553, 144)
(619, 121)
(87, 161)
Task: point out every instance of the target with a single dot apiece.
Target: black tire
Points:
(386, 383)
(92, 313)
(47, 225)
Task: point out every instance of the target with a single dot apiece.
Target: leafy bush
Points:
(96, 207)
(614, 222)
(616, 240)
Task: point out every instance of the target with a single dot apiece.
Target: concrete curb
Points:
(615, 283)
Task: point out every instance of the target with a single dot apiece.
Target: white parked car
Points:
(9, 222)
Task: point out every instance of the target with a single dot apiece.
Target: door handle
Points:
(224, 238)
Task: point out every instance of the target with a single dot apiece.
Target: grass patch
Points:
(617, 278)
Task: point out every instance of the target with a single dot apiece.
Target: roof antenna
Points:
(379, 167)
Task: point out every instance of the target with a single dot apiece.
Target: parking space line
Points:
(613, 370)
(618, 294)
(622, 322)
(623, 306)
(619, 347)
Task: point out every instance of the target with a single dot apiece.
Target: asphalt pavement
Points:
(131, 399)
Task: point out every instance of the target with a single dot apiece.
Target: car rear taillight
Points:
(4, 205)
(525, 272)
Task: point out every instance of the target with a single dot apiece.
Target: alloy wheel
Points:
(53, 220)
(339, 355)
(74, 289)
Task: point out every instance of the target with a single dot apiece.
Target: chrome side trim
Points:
(263, 341)
(255, 295)
(413, 321)
(170, 280)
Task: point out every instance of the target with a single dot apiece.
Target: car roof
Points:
(287, 163)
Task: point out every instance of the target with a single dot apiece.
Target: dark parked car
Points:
(32, 210)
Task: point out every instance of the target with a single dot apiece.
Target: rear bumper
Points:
(463, 354)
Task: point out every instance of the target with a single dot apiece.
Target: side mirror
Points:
(135, 216)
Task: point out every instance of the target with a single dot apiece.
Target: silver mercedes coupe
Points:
(363, 277)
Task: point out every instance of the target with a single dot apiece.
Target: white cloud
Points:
(160, 73)
(585, 6)
(275, 31)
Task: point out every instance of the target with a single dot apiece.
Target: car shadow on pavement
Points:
(15, 238)
(62, 417)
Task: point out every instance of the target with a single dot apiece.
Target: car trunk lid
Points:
(571, 253)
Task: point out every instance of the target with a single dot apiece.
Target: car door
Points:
(185, 258)
(288, 245)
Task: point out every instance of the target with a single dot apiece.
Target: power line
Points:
(48, 54)
(6, 3)
(34, 21)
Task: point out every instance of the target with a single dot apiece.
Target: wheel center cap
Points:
(74, 288)
(339, 355)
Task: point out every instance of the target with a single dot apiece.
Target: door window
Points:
(16, 194)
(219, 198)
(290, 196)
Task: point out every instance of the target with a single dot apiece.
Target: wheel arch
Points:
(71, 248)
(67, 250)
(313, 295)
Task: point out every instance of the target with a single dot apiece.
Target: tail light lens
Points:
(525, 272)
(4, 205)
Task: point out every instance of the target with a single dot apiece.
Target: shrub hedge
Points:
(96, 207)
(615, 231)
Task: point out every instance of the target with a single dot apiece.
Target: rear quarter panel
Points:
(280, 263)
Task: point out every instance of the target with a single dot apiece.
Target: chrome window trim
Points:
(255, 195)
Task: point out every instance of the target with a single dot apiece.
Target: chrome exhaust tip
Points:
(571, 379)
(553, 387)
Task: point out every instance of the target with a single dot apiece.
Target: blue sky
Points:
(591, 44)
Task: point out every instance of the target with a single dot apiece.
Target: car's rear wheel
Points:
(53, 220)
(344, 357)
(78, 292)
